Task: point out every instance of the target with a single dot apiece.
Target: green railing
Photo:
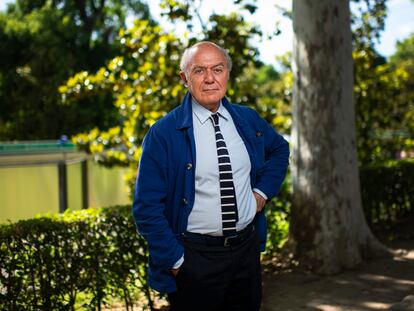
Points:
(23, 147)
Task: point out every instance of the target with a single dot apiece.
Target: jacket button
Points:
(185, 201)
(189, 166)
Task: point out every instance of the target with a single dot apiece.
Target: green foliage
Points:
(404, 52)
(278, 217)
(42, 43)
(368, 21)
(49, 263)
(383, 90)
(189, 13)
(269, 92)
(384, 107)
(403, 61)
(387, 191)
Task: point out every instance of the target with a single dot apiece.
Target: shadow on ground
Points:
(381, 284)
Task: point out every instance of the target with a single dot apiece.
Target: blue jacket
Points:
(164, 191)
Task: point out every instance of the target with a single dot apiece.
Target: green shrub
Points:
(387, 191)
(47, 263)
(278, 215)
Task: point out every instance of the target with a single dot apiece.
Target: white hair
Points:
(186, 55)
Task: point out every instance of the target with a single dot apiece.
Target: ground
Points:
(380, 284)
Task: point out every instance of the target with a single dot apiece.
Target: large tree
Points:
(328, 227)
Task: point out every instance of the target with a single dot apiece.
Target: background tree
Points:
(269, 92)
(382, 114)
(383, 100)
(42, 43)
(403, 63)
(367, 22)
(144, 83)
(328, 228)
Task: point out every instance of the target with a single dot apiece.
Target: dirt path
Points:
(381, 284)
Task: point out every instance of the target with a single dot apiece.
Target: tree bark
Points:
(328, 228)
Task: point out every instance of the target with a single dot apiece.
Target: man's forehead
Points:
(205, 46)
(206, 52)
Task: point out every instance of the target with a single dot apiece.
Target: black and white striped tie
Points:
(229, 213)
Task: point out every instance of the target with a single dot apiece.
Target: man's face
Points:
(206, 75)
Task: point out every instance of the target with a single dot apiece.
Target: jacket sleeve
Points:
(271, 174)
(149, 202)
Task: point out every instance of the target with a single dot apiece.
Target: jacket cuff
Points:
(261, 193)
(178, 263)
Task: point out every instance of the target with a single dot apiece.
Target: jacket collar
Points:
(185, 113)
(237, 118)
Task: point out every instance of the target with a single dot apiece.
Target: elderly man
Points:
(206, 171)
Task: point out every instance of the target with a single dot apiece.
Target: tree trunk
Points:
(328, 228)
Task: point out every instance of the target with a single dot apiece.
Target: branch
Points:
(196, 10)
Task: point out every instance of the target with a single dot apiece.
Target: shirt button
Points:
(189, 166)
(185, 201)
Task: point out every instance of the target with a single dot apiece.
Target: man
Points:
(206, 171)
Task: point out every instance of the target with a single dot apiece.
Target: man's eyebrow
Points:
(203, 67)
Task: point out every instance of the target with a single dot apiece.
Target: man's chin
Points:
(211, 100)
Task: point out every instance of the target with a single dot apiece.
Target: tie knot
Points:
(215, 118)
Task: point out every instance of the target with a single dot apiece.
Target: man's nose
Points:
(209, 78)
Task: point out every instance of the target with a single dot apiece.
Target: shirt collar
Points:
(203, 114)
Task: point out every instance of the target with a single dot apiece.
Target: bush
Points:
(387, 191)
(278, 216)
(50, 263)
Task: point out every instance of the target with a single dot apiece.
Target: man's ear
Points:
(184, 78)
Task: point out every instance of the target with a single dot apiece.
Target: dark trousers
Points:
(219, 278)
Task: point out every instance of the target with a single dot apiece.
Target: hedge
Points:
(80, 259)
(387, 191)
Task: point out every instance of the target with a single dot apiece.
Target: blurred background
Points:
(82, 81)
